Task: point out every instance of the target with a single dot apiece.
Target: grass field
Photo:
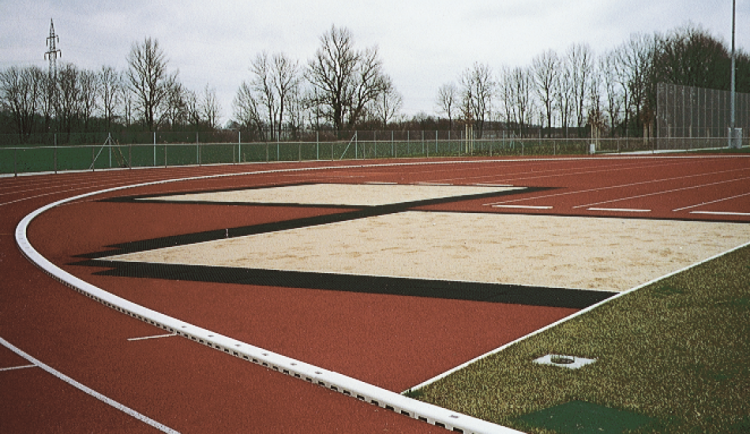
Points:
(676, 351)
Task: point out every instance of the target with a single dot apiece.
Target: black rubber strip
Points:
(472, 291)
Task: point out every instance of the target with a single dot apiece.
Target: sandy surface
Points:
(564, 252)
(337, 194)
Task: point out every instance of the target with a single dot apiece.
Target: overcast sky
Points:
(422, 43)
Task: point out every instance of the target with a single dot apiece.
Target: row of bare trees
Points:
(341, 87)
(577, 90)
(71, 99)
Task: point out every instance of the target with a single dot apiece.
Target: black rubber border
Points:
(452, 290)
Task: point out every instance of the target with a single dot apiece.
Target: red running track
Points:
(392, 343)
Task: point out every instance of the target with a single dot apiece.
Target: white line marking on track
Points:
(590, 190)
(437, 184)
(14, 368)
(523, 206)
(656, 193)
(721, 213)
(709, 203)
(127, 410)
(619, 209)
(152, 337)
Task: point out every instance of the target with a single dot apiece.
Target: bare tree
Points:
(564, 96)
(20, 92)
(174, 108)
(89, 95)
(545, 71)
(110, 93)
(267, 98)
(285, 79)
(580, 61)
(447, 100)
(247, 109)
(262, 85)
(345, 80)
(148, 79)
(635, 60)
(517, 94)
(210, 107)
(387, 105)
(68, 99)
(477, 91)
(612, 89)
(193, 109)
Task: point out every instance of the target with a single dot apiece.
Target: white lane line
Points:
(674, 190)
(523, 206)
(709, 203)
(596, 189)
(494, 185)
(721, 213)
(619, 209)
(152, 337)
(434, 184)
(127, 410)
(14, 368)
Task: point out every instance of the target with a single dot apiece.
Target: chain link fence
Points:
(81, 152)
(686, 114)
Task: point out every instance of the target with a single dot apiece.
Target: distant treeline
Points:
(344, 88)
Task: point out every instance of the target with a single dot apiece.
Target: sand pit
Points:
(551, 251)
(336, 194)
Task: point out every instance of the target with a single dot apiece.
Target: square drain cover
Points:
(570, 362)
(579, 417)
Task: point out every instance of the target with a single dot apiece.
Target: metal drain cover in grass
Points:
(579, 417)
(570, 362)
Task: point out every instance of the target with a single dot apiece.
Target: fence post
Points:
(55, 153)
(317, 145)
(393, 146)
(197, 149)
(15, 162)
(93, 159)
(154, 148)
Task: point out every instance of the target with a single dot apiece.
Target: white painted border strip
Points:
(349, 386)
(127, 410)
(620, 210)
(144, 338)
(727, 213)
(15, 368)
(523, 206)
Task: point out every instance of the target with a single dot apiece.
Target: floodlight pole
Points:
(732, 85)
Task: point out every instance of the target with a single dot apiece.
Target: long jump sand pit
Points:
(337, 194)
(549, 251)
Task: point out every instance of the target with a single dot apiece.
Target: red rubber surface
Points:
(192, 388)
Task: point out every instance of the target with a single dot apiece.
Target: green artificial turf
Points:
(676, 351)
